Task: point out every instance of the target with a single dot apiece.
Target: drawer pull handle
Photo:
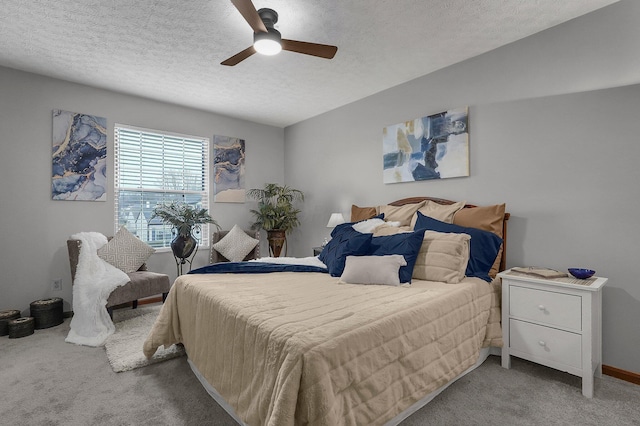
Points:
(541, 307)
(542, 343)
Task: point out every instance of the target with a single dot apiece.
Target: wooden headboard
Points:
(415, 200)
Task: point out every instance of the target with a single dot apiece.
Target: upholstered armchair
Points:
(217, 257)
(143, 283)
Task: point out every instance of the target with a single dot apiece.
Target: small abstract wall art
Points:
(432, 147)
(228, 170)
(79, 170)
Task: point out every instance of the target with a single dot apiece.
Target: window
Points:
(153, 167)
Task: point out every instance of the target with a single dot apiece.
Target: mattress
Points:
(300, 348)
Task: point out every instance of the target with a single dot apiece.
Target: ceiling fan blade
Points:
(250, 14)
(239, 57)
(313, 49)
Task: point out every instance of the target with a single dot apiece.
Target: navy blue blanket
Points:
(254, 268)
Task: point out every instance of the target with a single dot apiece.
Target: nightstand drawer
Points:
(546, 344)
(547, 307)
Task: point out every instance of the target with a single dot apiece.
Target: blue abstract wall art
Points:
(431, 147)
(79, 170)
(228, 170)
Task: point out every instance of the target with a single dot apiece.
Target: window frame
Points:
(163, 191)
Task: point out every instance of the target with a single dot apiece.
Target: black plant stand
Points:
(181, 261)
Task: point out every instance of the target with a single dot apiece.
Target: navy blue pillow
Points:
(484, 245)
(407, 244)
(342, 226)
(346, 242)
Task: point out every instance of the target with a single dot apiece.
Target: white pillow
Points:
(367, 226)
(383, 270)
(236, 245)
(125, 251)
(443, 257)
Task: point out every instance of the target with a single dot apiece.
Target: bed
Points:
(294, 348)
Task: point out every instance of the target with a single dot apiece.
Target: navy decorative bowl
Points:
(581, 273)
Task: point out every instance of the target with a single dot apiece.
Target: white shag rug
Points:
(124, 347)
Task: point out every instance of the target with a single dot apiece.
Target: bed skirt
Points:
(484, 354)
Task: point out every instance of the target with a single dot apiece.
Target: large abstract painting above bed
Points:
(328, 346)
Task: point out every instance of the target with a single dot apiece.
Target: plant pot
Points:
(277, 239)
(182, 247)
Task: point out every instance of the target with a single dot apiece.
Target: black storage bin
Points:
(47, 312)
(5, 317)
(20, 327)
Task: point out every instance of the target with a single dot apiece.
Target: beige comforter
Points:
(300, 348)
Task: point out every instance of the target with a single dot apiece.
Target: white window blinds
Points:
(153, 167)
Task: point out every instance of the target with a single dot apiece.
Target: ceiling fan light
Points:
(267, 43)
(267, 47)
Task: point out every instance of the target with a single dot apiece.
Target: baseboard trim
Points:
(627, 376)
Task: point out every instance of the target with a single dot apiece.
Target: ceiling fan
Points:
(267, 40)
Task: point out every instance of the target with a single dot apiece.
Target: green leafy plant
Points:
(276, 208)
(183, 217)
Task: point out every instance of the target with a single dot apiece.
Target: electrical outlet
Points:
(56, 285)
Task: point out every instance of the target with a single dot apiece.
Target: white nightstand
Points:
(555, 323)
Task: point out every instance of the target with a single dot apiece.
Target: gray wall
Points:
(34, 228)
(554, 134)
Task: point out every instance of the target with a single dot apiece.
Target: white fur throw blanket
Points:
(95, 280)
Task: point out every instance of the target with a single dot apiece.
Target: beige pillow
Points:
(402, 214)
(382, 270)
(488, 218)
(386, 230)
(441, 212)
(125, 251)
(443, 257)
(236, 245)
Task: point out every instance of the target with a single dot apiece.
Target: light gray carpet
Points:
(45, 381)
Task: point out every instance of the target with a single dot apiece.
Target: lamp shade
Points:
(335, 220)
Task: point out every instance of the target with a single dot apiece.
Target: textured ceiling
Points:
(171, 50)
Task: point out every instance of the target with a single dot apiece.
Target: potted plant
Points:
(185, 220)
(276, 213)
